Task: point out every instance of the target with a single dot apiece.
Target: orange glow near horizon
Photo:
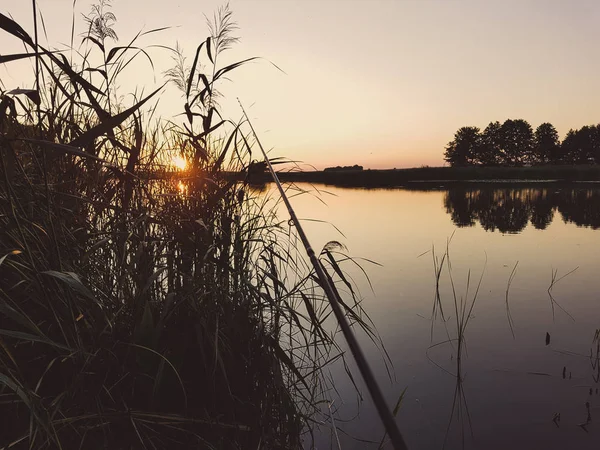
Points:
(425, 69)
(179, 162)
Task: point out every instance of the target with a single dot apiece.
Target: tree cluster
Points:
(355, 167)
(515, 143)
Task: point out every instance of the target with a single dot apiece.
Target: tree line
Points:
(515, 143)
(355, 167)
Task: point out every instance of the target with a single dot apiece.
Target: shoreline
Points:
(439, 176)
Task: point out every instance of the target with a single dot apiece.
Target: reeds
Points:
(509, 318)
(463, 306)
(554, 280)
(139, 310)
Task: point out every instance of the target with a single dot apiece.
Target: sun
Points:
(179, 162)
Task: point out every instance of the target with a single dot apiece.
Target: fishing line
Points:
(332, 294)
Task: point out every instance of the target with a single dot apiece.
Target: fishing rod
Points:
(332, 294)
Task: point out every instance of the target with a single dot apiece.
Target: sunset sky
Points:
(378, 83)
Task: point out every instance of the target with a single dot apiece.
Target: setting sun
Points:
(179, 162)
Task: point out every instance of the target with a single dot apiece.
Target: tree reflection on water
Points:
(509, 210)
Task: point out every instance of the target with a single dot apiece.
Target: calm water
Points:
(512, 386)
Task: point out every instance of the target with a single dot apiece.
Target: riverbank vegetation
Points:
(514, 143)
(139, 313)
(442, 176)
(355, 167)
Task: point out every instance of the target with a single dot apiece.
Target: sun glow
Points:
(179, 162)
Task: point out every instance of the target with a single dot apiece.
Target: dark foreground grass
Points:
(140, 313)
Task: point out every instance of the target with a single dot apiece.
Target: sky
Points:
(378, 83)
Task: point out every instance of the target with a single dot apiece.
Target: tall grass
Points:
(142, 311)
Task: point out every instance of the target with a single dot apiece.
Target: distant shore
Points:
(441, 175)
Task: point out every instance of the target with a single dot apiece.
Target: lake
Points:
(530, 361)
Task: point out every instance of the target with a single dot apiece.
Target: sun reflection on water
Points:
(183, 188)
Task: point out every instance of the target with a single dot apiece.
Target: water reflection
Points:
(509, 390)
(509, 210)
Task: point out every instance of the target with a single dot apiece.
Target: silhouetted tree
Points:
(465, 146)
(582, 146)
(355, 167)
(593, 150)
(570, 147)
(517, 142)
(514, 143)
(585, 139)
(546, 147)
(491, 145)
